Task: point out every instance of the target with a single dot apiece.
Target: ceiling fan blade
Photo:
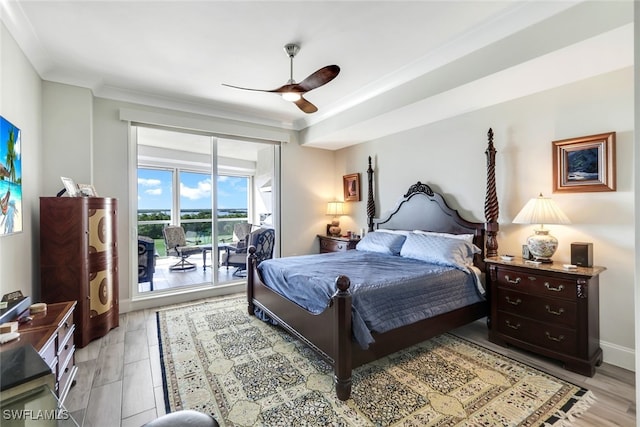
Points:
(246, 88)
(305, 106)
(323, 76)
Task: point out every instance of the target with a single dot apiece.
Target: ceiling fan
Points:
(293, 91)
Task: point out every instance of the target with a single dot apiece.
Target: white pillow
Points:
(401, 232)
(385, 243)
(465, 237)
(439, 250)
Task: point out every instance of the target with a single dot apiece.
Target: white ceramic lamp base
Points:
(542, 245)
(335, 229)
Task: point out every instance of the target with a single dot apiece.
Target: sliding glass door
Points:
(204, 185)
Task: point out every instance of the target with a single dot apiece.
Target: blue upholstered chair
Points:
(146, 260)
(263, 239)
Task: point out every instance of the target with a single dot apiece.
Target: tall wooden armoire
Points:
(79, 261)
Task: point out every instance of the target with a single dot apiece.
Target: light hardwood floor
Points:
(119, 381)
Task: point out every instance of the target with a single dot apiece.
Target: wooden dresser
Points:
(336, 244)
(79, 260)
(546, 309)
(51, 333)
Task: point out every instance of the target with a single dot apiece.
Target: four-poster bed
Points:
(331, 332)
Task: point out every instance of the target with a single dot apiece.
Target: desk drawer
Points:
(65, 349)
(49, 353)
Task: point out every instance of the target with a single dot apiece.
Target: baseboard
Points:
(618, 355)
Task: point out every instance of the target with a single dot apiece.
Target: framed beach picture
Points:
(10, 178)
(351, 185)
(585, 164)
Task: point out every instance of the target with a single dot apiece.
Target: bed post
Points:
(342, 338)
(491, 200)
(371, 205)
(250, 279)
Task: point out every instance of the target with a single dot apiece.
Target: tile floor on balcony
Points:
(164, 278)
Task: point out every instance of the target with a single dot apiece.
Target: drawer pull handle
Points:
(552, 338)
(551, 288)
(516, 302)
(66, 346)
(513, 326)
(557, 313)
(513, 281)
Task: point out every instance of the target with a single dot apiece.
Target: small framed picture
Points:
(70, 186)
(525, 252)
(87, 190)
(585, 164)
(351, 184)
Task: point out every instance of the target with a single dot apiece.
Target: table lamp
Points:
(335, 209)
(541, 210)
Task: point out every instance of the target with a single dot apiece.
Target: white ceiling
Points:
(403, 63)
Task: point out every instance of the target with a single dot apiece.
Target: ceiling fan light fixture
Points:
(291, 96)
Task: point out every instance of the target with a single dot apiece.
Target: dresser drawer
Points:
(550, 337)
(333, 245)
(552, 310)
(538, 284)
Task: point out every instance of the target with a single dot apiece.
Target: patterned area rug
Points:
(219, 360)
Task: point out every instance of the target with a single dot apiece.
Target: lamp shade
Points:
(541, 210)
(335, 208)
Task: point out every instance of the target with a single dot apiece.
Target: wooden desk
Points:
(51, 334)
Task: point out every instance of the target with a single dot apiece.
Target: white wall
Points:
(449, 155)
(20, 99)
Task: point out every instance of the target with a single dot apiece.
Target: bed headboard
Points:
(423, 209)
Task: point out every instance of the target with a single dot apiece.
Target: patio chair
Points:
(236, 253)
(176, 244)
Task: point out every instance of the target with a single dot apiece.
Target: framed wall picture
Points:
(351, 185)
(585, 164)
(10, 178)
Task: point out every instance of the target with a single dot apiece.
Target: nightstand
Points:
(546, 309)
(336, 244)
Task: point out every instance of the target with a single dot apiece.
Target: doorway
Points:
(204, 185)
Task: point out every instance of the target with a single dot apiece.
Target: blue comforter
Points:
(388, 291)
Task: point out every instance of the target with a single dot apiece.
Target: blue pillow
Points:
(439, 250)
(384, 243)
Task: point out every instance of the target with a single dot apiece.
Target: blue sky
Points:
(154, 190)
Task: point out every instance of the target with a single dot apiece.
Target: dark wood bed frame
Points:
(329, 333)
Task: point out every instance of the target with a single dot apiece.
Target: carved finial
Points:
(343, 283)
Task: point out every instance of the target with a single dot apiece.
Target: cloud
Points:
(154, 192)
(201, 191)
(149, 182)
